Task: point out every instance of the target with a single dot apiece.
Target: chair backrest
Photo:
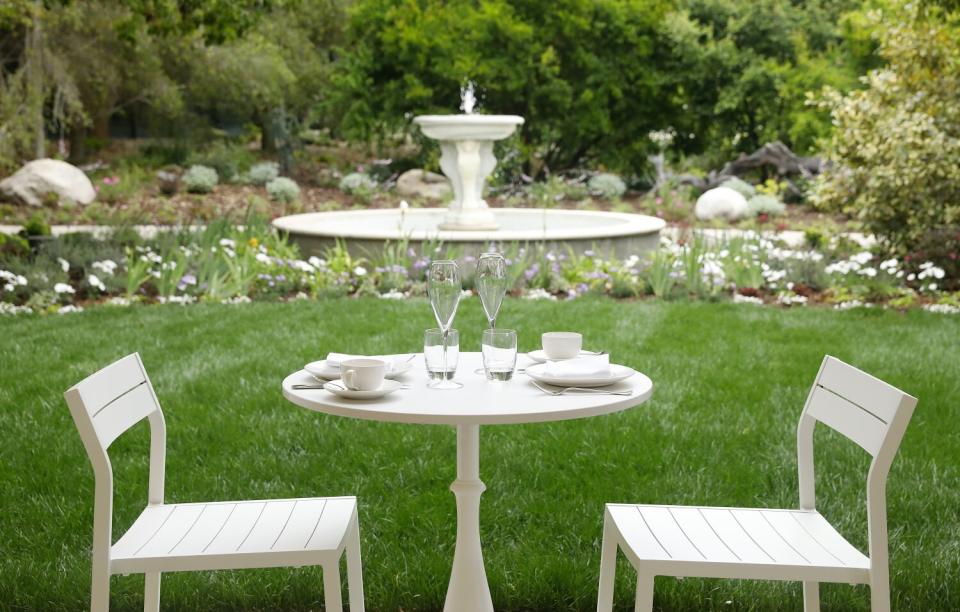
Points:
(868, 411)
(104, 405)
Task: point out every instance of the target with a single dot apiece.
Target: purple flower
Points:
(411, 252)
(532, 271)
(280, 278)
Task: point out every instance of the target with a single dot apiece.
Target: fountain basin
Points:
(468, 127)
(366, 231)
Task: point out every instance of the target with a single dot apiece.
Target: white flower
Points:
(394, 294)
(359, 271)
(465, 293)
(316, 262)
(239, 299)
(118, 301)
(107, 266)
(851, 304)
(539, 294)
(862, 257)
(226, 242)
(404, 205)
(183, 300)
(868, 272)
(93, 281)
(64, 264)
(11, 309)
(940, 308)
(64, 288)
(890, 264)
(746, 299)
(263, 258)
(788, 298)
(303, 266)
(69, 308)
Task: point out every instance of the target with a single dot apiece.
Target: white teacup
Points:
(363, 374)
(561, 345)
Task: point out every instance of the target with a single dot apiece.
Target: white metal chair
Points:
(198, 536)
(775, 544)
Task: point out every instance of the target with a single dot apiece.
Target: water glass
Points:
(433, 354)
(499, 353)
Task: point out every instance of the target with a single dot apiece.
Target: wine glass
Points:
(491, 284)
(444, 287)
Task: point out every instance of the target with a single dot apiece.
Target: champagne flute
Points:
(444, 287)
(491, 284)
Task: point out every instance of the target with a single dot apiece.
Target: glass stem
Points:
(443, 339)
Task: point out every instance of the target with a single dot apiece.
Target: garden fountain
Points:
(466, 143)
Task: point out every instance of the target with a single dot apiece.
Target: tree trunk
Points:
(101, 126)
(34, 61)
(268, 138)
(78, 143)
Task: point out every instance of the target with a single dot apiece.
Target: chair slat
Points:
(734, 536)
(854, 422)
(798, 539)
(100, 388)
(172, 531)
(303, 523)
(701, 534)
(861, 388)
(635, 531)
(336, 517)
(211, 521)
(236, 529)
(269, 526)
(142, 530)
(669, 533)
(767, 537)
(824, 533)
(123, 413)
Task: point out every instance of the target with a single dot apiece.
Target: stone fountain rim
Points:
(472, 118)
(306, 224)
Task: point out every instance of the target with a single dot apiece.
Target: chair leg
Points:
(100, 591)
(333, 602)
(811, 597)
(608, 567)
(354, 568)
(644, 593)
(151, 593)
(880, 596)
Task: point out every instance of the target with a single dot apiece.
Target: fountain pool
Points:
(366, 231)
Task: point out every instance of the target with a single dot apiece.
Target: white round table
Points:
(478, 402)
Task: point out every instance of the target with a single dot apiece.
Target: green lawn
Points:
(720, 429)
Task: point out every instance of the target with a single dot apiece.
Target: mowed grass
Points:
(720, 430)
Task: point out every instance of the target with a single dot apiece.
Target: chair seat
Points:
(234, 535)
(736, 543)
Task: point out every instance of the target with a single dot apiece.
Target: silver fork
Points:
(587, 390)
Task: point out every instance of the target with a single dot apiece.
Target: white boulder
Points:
(721, 202)
(423, 184)
(31, 184)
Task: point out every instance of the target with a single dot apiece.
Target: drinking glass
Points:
(491, 284)
(444, 287)
(433, 345)
(499, 353)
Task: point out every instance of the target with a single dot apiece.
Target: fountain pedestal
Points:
(466, 145)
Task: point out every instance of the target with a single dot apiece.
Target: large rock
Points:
(721, 202)
(31, 184)
(423, 184)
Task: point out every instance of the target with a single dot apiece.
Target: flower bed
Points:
(232, 265)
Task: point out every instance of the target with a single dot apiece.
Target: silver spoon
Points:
(591, 390)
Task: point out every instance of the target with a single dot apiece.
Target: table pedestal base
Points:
(468, 590)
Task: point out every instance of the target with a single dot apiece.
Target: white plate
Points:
(541, 357)
(320, 370)
(617, 373)
(339, 388)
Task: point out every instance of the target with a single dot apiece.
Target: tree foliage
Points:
(896, 144)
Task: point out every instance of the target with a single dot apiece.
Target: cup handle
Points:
(349, 376)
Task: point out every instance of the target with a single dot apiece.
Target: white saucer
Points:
(338, 388)
(320, 370)
(540, 356)
(617, 373)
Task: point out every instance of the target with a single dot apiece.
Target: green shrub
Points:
(36, 225)
(740, 186)
(356, 182)
(607, 185)
(284, 190)
(228, 159)
(765, 205)
(896, 145)
(200, 179)
(263, 173)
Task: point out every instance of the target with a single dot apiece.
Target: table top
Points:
(478, 402)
